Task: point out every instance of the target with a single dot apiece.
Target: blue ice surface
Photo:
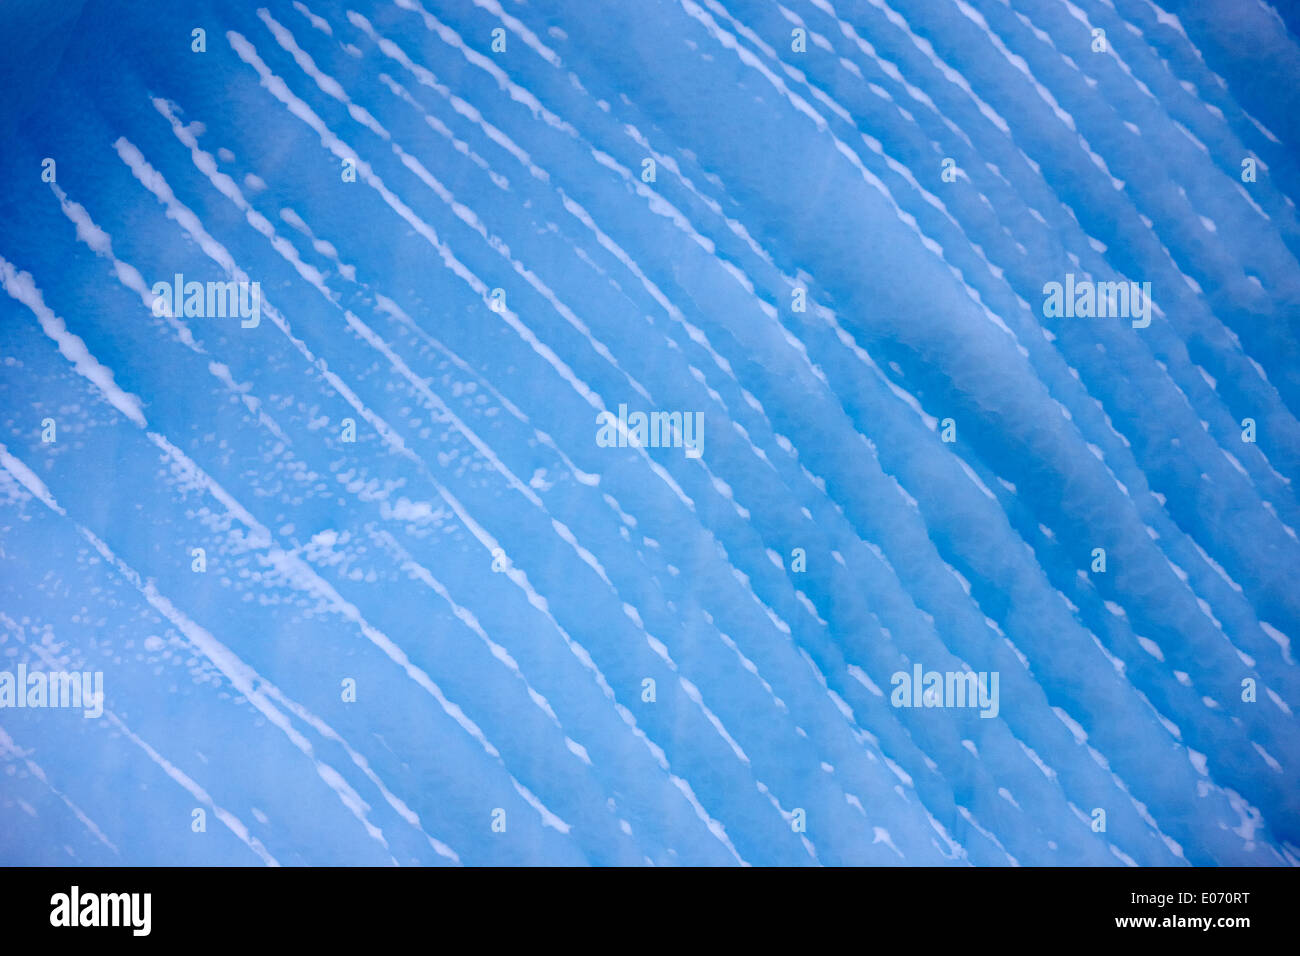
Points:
(517, 694)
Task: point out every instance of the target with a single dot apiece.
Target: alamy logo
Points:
(946, 689)
(216, 300)
(55, 689)
(656, 430)
(102, 909)
(1086, 299)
